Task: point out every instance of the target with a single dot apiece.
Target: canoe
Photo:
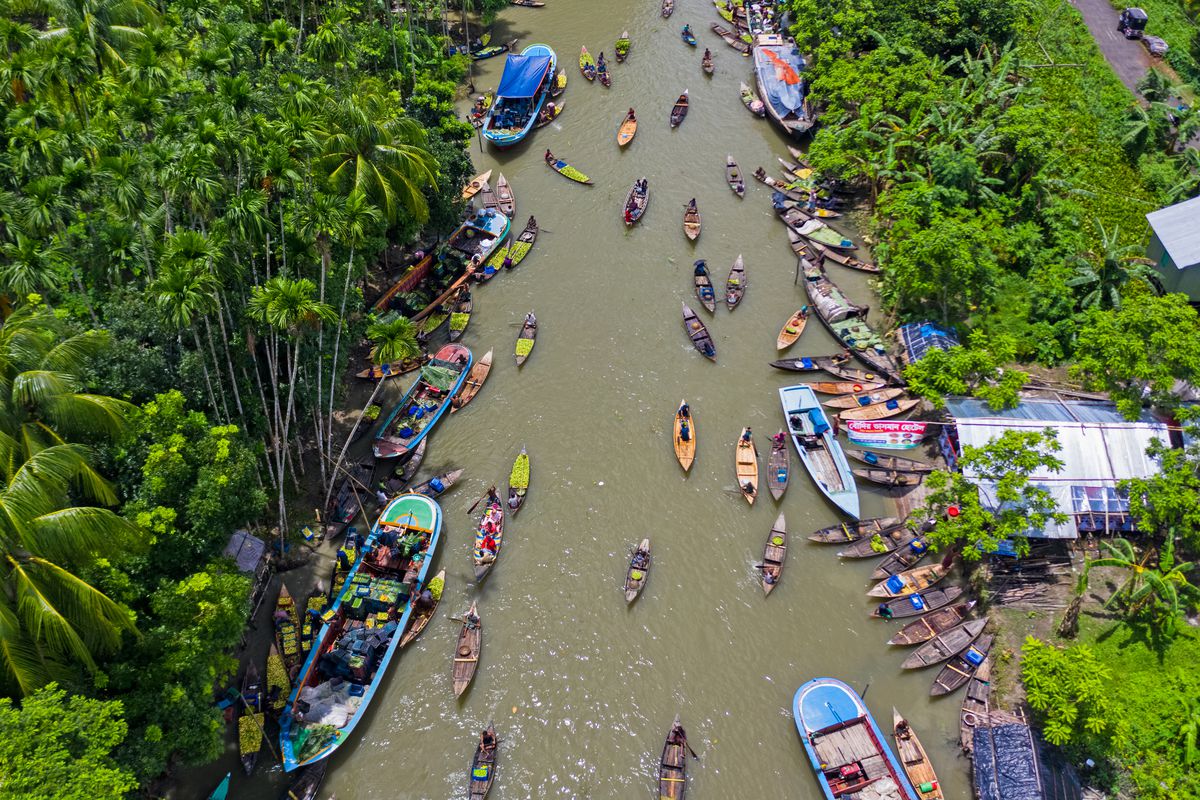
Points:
(492, 50)
(314, 605)
(779, 467)
(746, 466)
(602, 72)
(846, 320)
(735, 284)
(811, 363)
(466, 651)
(309, 783)
(843, 387)
(672, 767)
(287, 628)
(976, 705)
(483, 764)
(476, 184)
(518, 482)
(679, 110)
(622, 47)
(425, 403)
(889, 477)
(222, 790)
(884, 410)
(505, 197)
(377, 372)
(888, 541)
(706, 64)
(917, 765)
(910, 581)
(817, 231)
(698, 334)
(587, 64)
(668, 6)
(250, 719)
(379, 570)
(560, 83)
(521, 245)
(798, 154)
(788, 335)
(278, 686)
(636, 203)
(460, 314)
(845, 532)
(819, 448)
(528, 3)
(733, 176)
(844, 259)
(638, 571)
(487, 197)
(473, 383)
(882, 461)
(961, 667)
(751, 102)
(627, 131)
(346, 557)
(774, 555)
(686, 34)
(691, 221)
(796, 171)
(420, 621)
(914, 605)
(685, 451)
(491, 521)
(705, 292)
(945, 645)
(526, 339)
(845, 746)
(931, 625)
(430, 488)
(566, 170)
(866, 399)
(900, 559)
(793, 216)
(730, 38)
(856, 375)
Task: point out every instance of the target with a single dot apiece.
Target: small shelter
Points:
(918, 338)
(1175, 247)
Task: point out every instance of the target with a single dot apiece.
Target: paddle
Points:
(690, 750)
(471, 510)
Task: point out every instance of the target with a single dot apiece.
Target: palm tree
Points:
(108, 26)
(1122, 555)
(32, 265)
(186, 292)
(1103, 275)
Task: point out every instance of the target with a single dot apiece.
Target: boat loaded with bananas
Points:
(524, 87)
(418, 412)
(361, 632)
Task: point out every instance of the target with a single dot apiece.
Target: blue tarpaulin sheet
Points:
(522, 75)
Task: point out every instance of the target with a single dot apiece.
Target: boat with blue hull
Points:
(778, 69)
(846, 748)
(526, 83)
(425, 403)
(818, 447)
(361, 632)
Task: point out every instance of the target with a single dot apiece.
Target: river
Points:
(581, 687)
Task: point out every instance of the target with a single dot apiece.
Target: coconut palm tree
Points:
(186, 292)
(107, 26)
(1102, 275)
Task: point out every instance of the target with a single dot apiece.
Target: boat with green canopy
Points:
(418, 412)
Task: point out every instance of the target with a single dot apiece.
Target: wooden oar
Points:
(491, 489)
(690, 750)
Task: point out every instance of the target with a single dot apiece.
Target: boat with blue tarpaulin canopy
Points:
(526, 83)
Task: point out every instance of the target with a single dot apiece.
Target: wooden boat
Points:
(347, 501)
(914, 605)
(818, 447)
(505, 198)
(483, 764)
(309, 783)
(705, 292)
(222, 790)
(846, 532)
(774, 554)
(587, 64)
(784, 192)
(751, 102)
(976, 706)
(810, 363)
(623, 45)
(477, 183)
(638, 572)
(672, 767)
(798, 154)
(526, 339)
(528, 3)
(735, 284)
(733, 177)
(636, 202)
(492, 50)
(843, 387)
(521, 245)
(916, 763)
(884, 410)
(422, 407)
(566, 170)
(466, 650)
(374, 584)
(945, 645)
(518, 482)
(844, 744)
(913, 580)
(487, 198)
(250, 719)
(889, 477)
(790, 168)
(377, 372)
(788, 335)
(844, 259)
(698, 334)
(686, 34)
(627, 130)
(857, 375)
(491, 522)
(931, 625)
(779, 467)
(430, 488)
(730, 38)
(473, 383)
(846, 320)
(420, 621)
(347, 556)
(668, 7)
(961, 667)
(746, 466)
(679, 110)
(314, 606)
(560, 83)
(861, 400)
(602, 72)
(278, 686)
(883, 461)
(888, 541)
(460, 314)
(691, 221)
(900, 559)
(685, 451)
(814, 230)
(706, 63)
(287, 628)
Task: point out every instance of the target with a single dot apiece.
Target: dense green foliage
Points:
(1165, 504)
(976, 369)
(1069, 688)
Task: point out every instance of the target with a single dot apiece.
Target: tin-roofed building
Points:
(1175, 246)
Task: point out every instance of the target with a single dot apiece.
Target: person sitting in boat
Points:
(631, 116)
(709, 350)
(514, 499)
(550, 159)
(492, 497)
(746, 435)
(780, 439)
(685, 433)
(769, 575)
(685, 411)
(628, 215)
(687, 30)
(471, 619)
(530, 320)
(707, 54)
(488, 545)
(884, 610)
(487, 741)
(677, 735)
(748, 488)
(641, 559)
(423, 602)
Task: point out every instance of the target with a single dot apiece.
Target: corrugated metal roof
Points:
(918, 338)
(1041, 408)
(1178, 228)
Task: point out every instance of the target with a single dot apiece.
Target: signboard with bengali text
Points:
(885, 435)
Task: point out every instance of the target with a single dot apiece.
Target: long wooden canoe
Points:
(703, 284)
(913, 758)
(750, 100)
(735, 284)
(846, 532)
(889, 541)
(627, 130)
(843, 387)
(774, 555)
(976, 705)
(672, 767)
(698, 334)
(733, 176)
(491, 521)
(638, 571)
(483, 764)
(418, 622)
(550, 112)
(587, 64)
(945, 645)
(790, 332)
(844, 259)
(377, 372)
(961, 667)
(900, 559)
(884, 410)
(505, 197)
(685, 451)
(518, 482)
(679, 110)
(811, 363)
(636, 203)
(461, 306)
(914, 605)
(566, 170)
(476, 184)
(473, 383)
(526, 339)
(691, 221)
(560, 83)
(853, 401)
(913, 580)
(779, 466)
(445, 480)
(889, 477)
(931, 625)
(730, 38)
(884, 461)
(306, 786)
(746, 466)
(466, 652)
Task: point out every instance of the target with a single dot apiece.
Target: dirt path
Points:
(1128, 58)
